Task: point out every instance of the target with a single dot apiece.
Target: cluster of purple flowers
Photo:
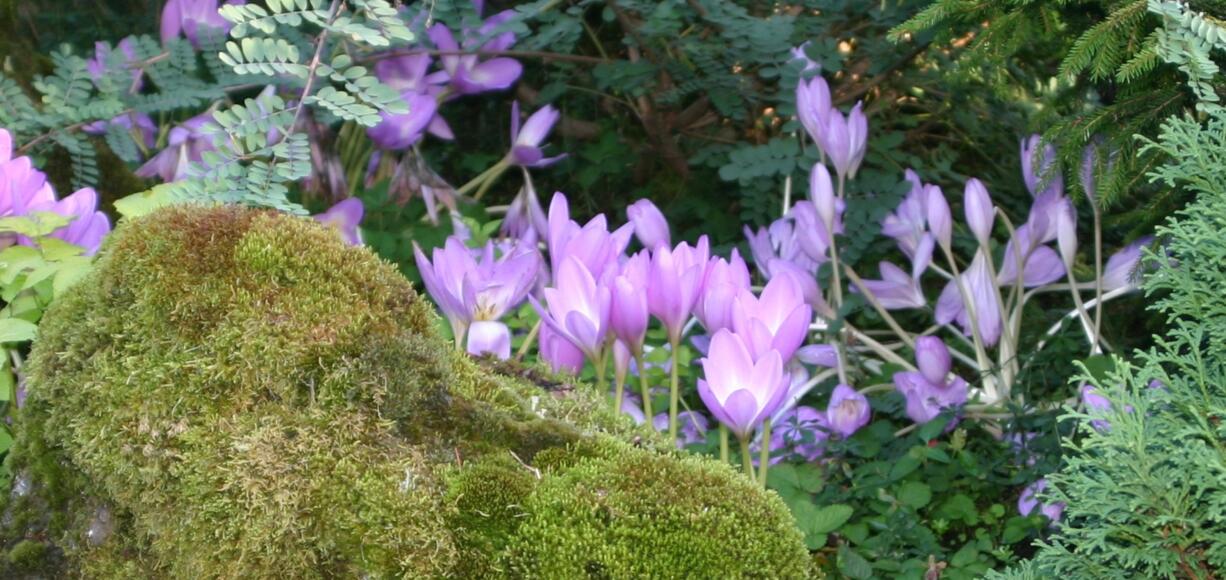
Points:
(24, 190)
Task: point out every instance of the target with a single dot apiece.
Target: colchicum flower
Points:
(104, 56)
(980, 213)
(344, 217)
(897, 289)
(848, 411)
(559, 353)
(526, 150)
(577, 307)
(1122, 267)
(24, 189)
(467, 73)
(725, 279)
(778, 320)
(192, 18)
(738, 390)
(813, 106)
(474, 295)
(592, 244)
(628, 311)
(674, 283)
(186, 143)
(931, 390)
(1047, 174)
(845, 140)
(650, 227)
(1027, 503)
(408, 75)
(982, 292)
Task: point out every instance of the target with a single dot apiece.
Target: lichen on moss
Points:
(252, 398)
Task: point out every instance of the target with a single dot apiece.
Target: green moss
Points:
(27, 555)
(250, 397)
(640, 514)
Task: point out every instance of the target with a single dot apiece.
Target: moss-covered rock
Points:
(242, 395)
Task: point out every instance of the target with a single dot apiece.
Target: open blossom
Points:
(811, 231)
(467, 72)
(738, 390)
(525, 216)
(845, 140)
(403, 130)
(897, 289)
(650, 227)
(526, 148)
(909, 221)
(345, 216)
(777, 320)
(847, 412)
(185, 143)
(674, 282)
(193, 18)
(1029, 504)
(409, 76)
(592, 243)
(474, 294)
(931, 390)
(24, 189)
(813, 105)
(577, 307)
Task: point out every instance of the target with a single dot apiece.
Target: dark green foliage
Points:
(1146, 491)
(237, 393)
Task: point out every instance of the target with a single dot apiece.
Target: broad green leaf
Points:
(142, 203)
(17, 330)
(828, 519)
(853, 565)
(915, 494)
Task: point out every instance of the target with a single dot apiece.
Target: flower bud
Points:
(932, 357)
(980, 213)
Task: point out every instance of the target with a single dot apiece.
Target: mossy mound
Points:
(236, 393)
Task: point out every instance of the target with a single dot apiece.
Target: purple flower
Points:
(525, 216)
(402, 130)
(1042, 264)
(980, 213)
(845, 140)
(740, 391)
(909, 222)
(799, 53)
(526, 142)
(778, 320)
(799, 431)
(139, 125)
(674, 283)
(925, 399)
(88, 227)
(821, 192)
(818, 354)
(408, 76)
(939, 221)
(1047, 173)
(1121, 269)
(692, 425)
(578, 308)
(1095, 404)
(468, 291)
(592, 243)
(22, 186)
(981, 288)
(813, 106)
(467, 73)
(807, 281)
(559, 353)
(345, 216)
(1027, 503)
(779, 241)
(186, 143)
(932, 358)
(1066, 233)
(628, 310)
(896, 290)
(650, 227)
(848, 411)
(191, 18)
(724, 280)
(102, 54)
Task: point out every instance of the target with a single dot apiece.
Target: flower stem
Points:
(764, 455)
(723, 443)
(601, 367)
(531, 338)
(643, 384)
(619, 387)
(745, 458)
(673, 394)
(482, 178)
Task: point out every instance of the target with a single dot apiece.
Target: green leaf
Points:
(904, 466)
(853, 565)
(1100, 366)
(142, 203)
(915, 494)
(959, 507)
(17, 330)
(828, 519)
(966, 556)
